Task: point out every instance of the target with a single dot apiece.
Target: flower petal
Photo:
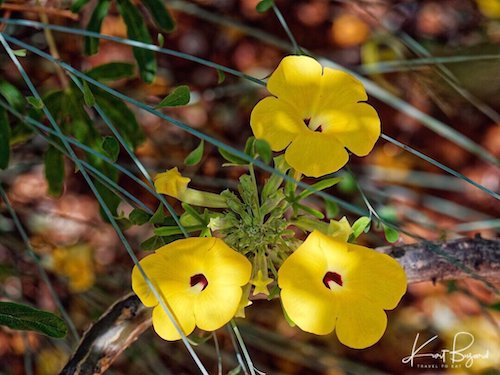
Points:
(275, 121)
(182, 308)
(216, 305)
(225, 266)
(316, 154)
(339, 89)
(360, 324)
(356, 126)
(297, 80)
(376, 277)
(171, 183)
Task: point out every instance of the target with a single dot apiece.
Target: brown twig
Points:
(38, 9)
(127, 319)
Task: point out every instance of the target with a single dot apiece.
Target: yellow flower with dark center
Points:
(315, 114)
(327, 284)
(201, 281)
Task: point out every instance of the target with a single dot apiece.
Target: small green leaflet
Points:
(264, 150)
(112, 71)
(179, 96)
(111, 146)
(88, 97)
(100, 11)
(361, 225)
(139, 217)
(231, 157)
(264, 6)
(160, 14)
(195, 156)
(34, 102)
(20, 52)
(161, 40)
(23, 317)
(391, 235)
(54, 171)
(77, 5)
(221, 76)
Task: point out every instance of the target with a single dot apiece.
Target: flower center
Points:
(332, 278)
(314, 127)
(198, 282)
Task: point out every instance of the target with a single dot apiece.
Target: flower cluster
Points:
(325, 282)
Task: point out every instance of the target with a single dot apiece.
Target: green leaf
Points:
(318, 186)
(20, 52)
(139, 217)
(95, 22)
(161, 40)
(331, 208)
(78, 5)
(250, 146)
(495, 306)
(360, 226)
(232, 158)
(264, 150)
(111, 146)
(391, 235)
(12, 95)
(195, 156)
(160, 14)
(54, 171)
(34, 102)
(87, 95)
(4, 139)
(23, 317)
(159, 216)
(235, 371)
(264, 6)
(112, 71)
(180, 96)
(121, 116)
(174, 230)
(137, 30)
(156, 242)
(221, 76)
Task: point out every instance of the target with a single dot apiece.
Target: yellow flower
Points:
(327, 285)
(315, 113)
(261, 282)
(173, 184)
(76, 263)
(490, 8)
(200, 279)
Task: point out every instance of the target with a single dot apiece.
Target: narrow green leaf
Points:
(13, 96)
(54, 170)
(195, 156)
(264, 6)
(100, 11)
(250, 146)
(139, 217)
(231, 158)
(78, 5)
(264, 150)
(360, 226)
(137, 30)
(4, 139)
(87, 95)
(111, 146)
(174, 230)
(20, 52)
(391, 235)
(179, 96)
(23, 317)
(160, 14)
(34, 102)
(221, 76)
(112, 71)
